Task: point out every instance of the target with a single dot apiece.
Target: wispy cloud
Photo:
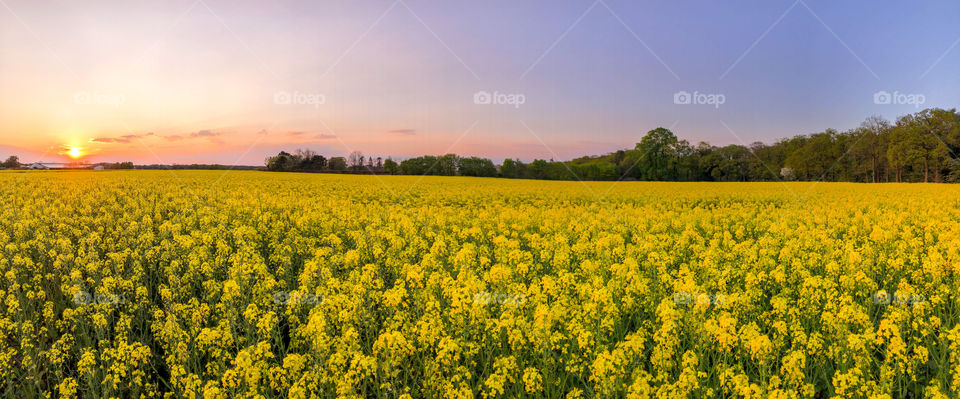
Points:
(204, 133)
(324, 136)
(110, 140)
(209, 135)
(122, 139)
(403, 132)
(125, 139)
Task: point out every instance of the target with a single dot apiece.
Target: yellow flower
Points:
(67, 388)
(532, 380)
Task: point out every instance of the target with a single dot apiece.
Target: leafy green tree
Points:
(597, 170)
(816, 157)
(391, 166)
(687, 162)
(538, 169)
(559, 171)
(904, 150)
(474, 166)
(658, 155)
(919, 147)
(869, 148)
(729, 163)
(446, 165)
(510, 168)
(940, 134)
(282, 162)
(419, 165)
(314, 162)
(337, 163)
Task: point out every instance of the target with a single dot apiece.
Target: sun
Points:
(75, 152)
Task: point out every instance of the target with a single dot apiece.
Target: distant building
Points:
(98, 167)
(52, 165)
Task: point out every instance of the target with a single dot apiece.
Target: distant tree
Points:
(447, 165)
(418, 165)
(760, 165)
(617, 159)
(509, 168)
(474, 166)
(658, 156)
(307, 159)
(118, 165)
(599, 169)
(869, 148)
(728, 163)
(905, 150)
(355, 160)
(316, 162)
(687, 163)
(817, 156)
(559, 171)
(538, 169)
(282, 162)
(922, 145)
(12, 162)
(939, 135)
(304, 154)
(391, 166)
(337, 163)
(918, 147)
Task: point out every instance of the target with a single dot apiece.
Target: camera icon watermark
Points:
(96, 98)
(297, 98)
(898, 298)
(487, 298)
(683, 97)
(296, 298)
(698, 298)
(93, 298)
(884, 97)
(497, 98)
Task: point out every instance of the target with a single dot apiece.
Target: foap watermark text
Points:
(296, 298)
(698, 298)
(683, 97)
(487, 298)
(93, 298)
(297, 98)
(884, 97)
(497, 98)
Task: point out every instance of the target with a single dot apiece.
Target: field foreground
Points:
(251, 284)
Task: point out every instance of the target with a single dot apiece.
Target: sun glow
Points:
(75, 152)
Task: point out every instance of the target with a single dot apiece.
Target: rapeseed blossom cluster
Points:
(196, 284)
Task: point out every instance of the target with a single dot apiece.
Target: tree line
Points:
(356, 162)
(918, 147)
(13, 162)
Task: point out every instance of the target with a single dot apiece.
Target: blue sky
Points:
(398, 78)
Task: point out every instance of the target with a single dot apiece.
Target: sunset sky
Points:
(235, 81)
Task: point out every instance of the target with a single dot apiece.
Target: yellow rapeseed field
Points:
(189, 284)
